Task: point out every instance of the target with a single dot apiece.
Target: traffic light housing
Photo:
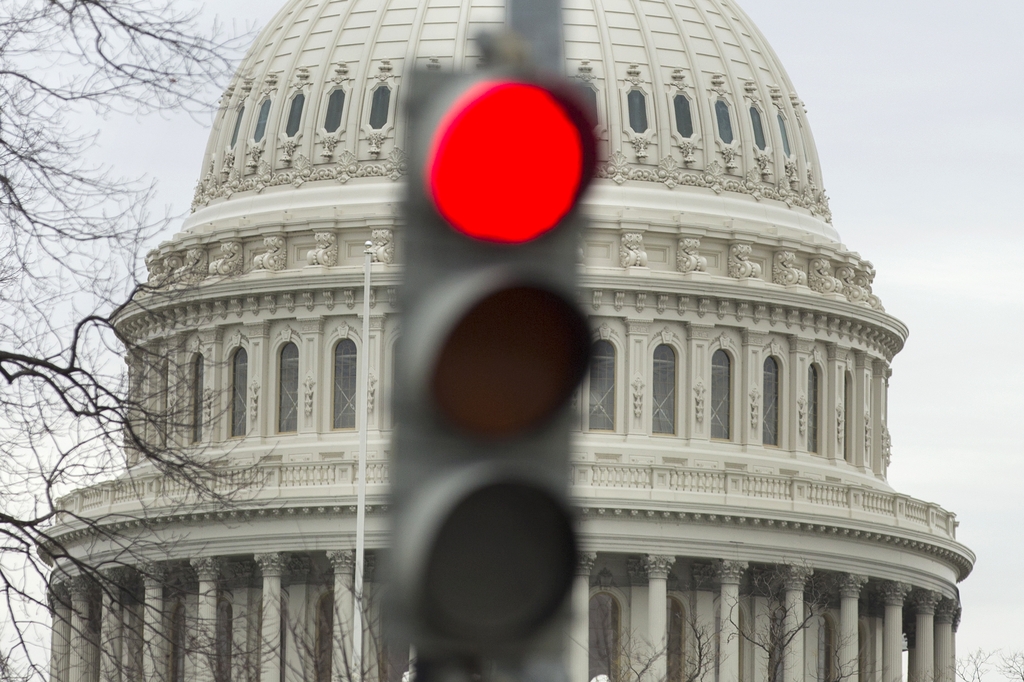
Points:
(492, 348)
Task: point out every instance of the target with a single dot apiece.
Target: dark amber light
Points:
(507, 162)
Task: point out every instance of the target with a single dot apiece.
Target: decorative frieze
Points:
(326, 251)
(274, 258)
(785, 272)
(631, 250)
(740, 265)
(230, 262)
(383, 249)
(688, 258)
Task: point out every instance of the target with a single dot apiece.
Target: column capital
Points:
(704, 576)
(730, 572)
(946, 610)
(795, 576)
(851, 584)
(80, 586)
(925, 601)
(343, 561)
(893, 593)
(658, 566)
(585, 563)
(273, 564)
(153, 573)
(207, 568)
(752, 338)
(58, 594)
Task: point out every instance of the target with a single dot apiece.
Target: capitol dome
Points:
(731, 445)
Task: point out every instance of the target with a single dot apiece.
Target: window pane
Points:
(785, 135)
(238, 126)
(379, 107)
(602, 387)
(198, 370)
(295, 115)
(590, 96)
(721, 395)
(604, 636)
(684, 121)
(664, 390)
(812, 409)
(335, 105)
(239, 379)
(770, 407)
(345, 369)
(724, 122)
(288, 404)
(637, 111)
(755, 120)
(261, 121)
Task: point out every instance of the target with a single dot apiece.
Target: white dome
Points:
(707, 51)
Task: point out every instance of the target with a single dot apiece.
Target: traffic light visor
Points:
(508, 161)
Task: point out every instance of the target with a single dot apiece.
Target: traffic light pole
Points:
(539, 24)
(364, 423)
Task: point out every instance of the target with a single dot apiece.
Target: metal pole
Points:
(363, 411)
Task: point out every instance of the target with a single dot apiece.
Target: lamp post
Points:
(364, 417)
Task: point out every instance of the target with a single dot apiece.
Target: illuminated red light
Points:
(507, 162)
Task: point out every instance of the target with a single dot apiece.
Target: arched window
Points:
(335, 106)
(295, 115)
(848, 417)
(755, 121)
(676, 631)
(288, 392)
(198, 372)
(590, 96)
(721, 395)
(178, 644)
(826, 650)
(637, 111)
(324, 638)
(813, 408)
(345, 369)
(604, 636)
(785, 136)
(261, 121)
(684, 119)
(238, 125)
(770, 407)
(379, 107)
(239, 380)
(222, 671)
(663, 389)
(602, 387)
(724, 121)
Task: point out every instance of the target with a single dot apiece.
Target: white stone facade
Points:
(696, 244)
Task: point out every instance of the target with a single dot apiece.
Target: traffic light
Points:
(492, 348)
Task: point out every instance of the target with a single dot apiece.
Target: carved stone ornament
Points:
(309, 385)
(795, 576)
(230, 261)
(740, 266)
(371, 392)
(851, 584)
(945, 610)
(326, 251)
(254, 400)
(383, 249)
(785, 272)
(841, 425)
(633, 75)
(631, 250)
(820, 277)
(801, 405)
(640, 145)
(658, 566)
(698, 401)
(272, 564)
(585, 563)
(376, 140)
(585, 72)
(764, 165)
(730, 572)
(886, 446)
(207, 568)
(893, 593)
(193, 268)
(853, 292)
(274, 258)
(638, 396)
(688, 258)
(755, 407)
(641, 301)
(342, 561)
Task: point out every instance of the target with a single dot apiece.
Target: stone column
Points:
(636, 413)
(658, 568)
(272, 567)
(761, 629)
(834, 408)
(111, 627)
(245, 616)
(311, 374)
(343, 562)
(698, 415)
(78, 668)
(730, 573)
(796, 412)
(878, 426)
(945, 670)
(579, 640)
(260, 407)
(60, 632)
(893, 594)
(296, 662)
(153, 638)
(850, 586)
(794, 581)
(925, 602)
(208, 572)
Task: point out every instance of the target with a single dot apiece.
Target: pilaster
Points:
(863, 424)
(315, 380)
(797, 411)
(697, 400)
(834, 405)
(751, 400)
(879, 427)
(637, 407)
(260, 408)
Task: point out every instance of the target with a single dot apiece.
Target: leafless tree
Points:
(975, 666)
(1011, 665)
(71, 233)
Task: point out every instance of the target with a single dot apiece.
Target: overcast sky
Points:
(916, 107)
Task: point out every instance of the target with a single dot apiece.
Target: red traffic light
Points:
(508, 161)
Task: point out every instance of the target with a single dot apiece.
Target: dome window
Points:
(345, 385)
(770, 407)
(295, 115)
(602, 387)
(238, 126)
(721, 395)
(239, 379)
(379, 107)
(590, 99)
(724, 121)
(755, 121)
(785, 136)
(335, 105)
(664, 390)
(684, 120)
(637, 111)
(813, 411)
(261, 121)
(288, 390)
(198, 372)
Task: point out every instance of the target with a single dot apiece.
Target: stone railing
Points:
(668, 488)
